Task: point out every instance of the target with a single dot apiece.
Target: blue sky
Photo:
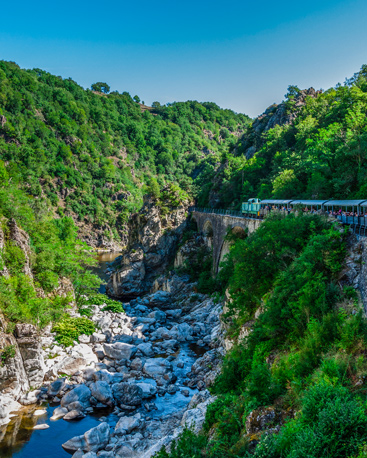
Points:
(240, 54)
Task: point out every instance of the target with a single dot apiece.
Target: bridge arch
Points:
(208, 233)
(214, 227)
(208, 229)
(236, 231)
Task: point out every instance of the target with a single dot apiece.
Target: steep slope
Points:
(94, 155)
(314, 144)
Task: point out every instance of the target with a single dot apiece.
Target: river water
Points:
(19, 440)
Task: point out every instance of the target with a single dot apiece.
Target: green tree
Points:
(101, 87)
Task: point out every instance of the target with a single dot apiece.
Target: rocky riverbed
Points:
(144, 373)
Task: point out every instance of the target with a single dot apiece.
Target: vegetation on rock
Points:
(320, 153)
(47, 252)
(302, 355)
(69, 329)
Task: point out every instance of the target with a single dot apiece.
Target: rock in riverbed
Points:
(92, 441)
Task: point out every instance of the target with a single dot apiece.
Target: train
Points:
(258, 207)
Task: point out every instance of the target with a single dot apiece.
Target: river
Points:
(19, 439)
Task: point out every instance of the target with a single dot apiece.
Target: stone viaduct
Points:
(214, 226)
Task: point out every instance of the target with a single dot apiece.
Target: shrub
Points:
(187, 445)
(101, 299)
(14, 258)
(69, 329)
(332, 422)
(7, 353)
(113, 306)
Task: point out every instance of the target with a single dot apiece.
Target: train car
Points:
(252, 207)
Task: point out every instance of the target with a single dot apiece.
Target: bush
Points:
(332, 422)
(101, 299)
(113, 306)
(188, 445)
(20, 302)
(69, 329)
(7, 353)
(14, 258)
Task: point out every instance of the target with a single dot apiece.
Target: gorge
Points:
(143, 368)
(212, 336)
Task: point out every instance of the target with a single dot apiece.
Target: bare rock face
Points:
(21, 239)
(31, 352)
(153, 237)
(129, 280)
(13, 377)
(64, 289)
(266, 419)
(94, 235)
(188, 252)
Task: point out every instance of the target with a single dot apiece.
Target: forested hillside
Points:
(312, 145)
(73, 161)
(93, 155)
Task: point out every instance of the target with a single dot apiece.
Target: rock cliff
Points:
(153, 236)
(22, 365)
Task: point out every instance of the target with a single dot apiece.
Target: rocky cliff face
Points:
(28, 342)
(13, 377)
(22, 370)
(22, 364)
(101, 237)
(153, 238)
(21, 239)
(3, 268)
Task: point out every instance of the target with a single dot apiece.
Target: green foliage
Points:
(187, 445)
(304, 352)
(19, 302)
(154, 188)
(270, 249)
(14, 258)
(7, 353)
(113, 306)
(225, 416)
(321, 154)
(69, 329)
(101, 87)
(332, 422)
(93, 154)
(54, 253)
(101, 299)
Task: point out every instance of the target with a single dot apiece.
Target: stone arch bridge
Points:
(214, 224)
